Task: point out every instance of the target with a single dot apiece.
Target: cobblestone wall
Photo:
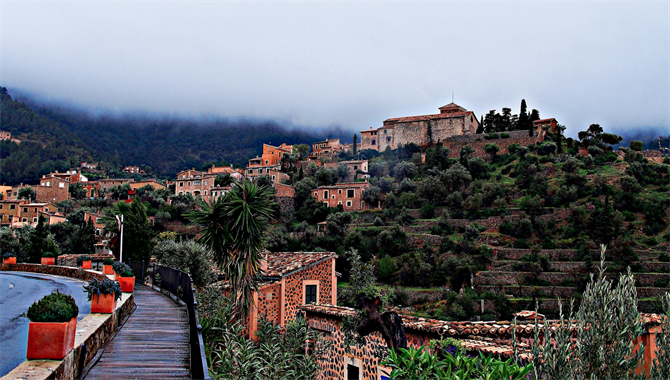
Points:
(478, 141)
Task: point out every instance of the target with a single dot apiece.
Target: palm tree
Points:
(233, 227)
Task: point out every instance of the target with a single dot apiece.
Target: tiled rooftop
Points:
(492, 337)
(427, 117)
(282, 263)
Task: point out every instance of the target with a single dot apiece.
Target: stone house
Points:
(285, 197)
(10, 211)
(347, 194)
(52, 189)
(490, 338)
(545, 124)
(291, 280)
(326, 148)
(269, 160)
(424, 130)
(132, 170)
(278, 177)
(355, 168)
(195, 182)
(71, 176)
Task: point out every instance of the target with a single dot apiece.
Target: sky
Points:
(349, 64)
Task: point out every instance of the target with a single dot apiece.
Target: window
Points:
(348, 203)
(205, 192)
(62, 184)
(339, 191)
(273, 177)
(266, 162)
(388, 139)
(48, 183)
(353, 372)
(325, 194)
(384, 131)
(205, 182)
(34, 219)
(310, 294)
(374, 142)
(35, 209)
(355, 167)
(12, 207)
(251, 171)
(332, 196)
(181, 184)
(351, 193)
(196, 182)
(339, 202)
(188, 183)
(25, 209)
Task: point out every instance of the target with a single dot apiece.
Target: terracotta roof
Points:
(492, 329)
(427, 117)
(543, 120)
(344, 184)
(282, 263)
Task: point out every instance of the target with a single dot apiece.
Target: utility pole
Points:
(119, 222)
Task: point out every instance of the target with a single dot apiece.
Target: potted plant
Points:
(127, 280)
(9, 258)
(118, 268)
(53, 323)
(103, 295)
(48, 258)
(84, 262)
(107, 266)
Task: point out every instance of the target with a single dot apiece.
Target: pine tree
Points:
(38, 241)
(353, 149)
(523, 116)
(136, 233)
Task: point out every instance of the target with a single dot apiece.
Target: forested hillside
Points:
(64, 137)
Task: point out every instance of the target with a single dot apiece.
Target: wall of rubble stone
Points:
(478, 141)
(554, 278)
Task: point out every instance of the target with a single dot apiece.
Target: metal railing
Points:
(180, 285)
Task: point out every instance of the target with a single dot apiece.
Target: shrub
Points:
(505, 135)
(427, 211)
(48, 254)
(81, 259)
(119, 266)
(105, 286)
(188, 256)
(127, 273)
(54, 307)
(8, 255)
(108, 262)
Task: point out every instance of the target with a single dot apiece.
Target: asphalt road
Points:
(18, 291)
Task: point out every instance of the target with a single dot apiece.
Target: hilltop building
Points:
(424, 130)
(347, 194)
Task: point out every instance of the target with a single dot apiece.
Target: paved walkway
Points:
(152, 344)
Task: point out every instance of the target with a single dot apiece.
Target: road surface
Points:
(18, 290)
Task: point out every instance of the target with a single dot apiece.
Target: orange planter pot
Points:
(104, 303)
(86, 264)
(48, 260)
(127, 284)
(50, 340)
(9, 260)
(107, 269)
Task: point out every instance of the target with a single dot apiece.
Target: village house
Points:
(355, 169)
(52, 189)
(326, 148)
(132, 170)
(224, 170)
(194, 182)
(424, 130)
(71, 176)
(291, 280)
(545, 124)
(18, 212)
(10, 211)
(490, 338)
(7, 136)
(347, 194)
(271, 159)
(278, 177)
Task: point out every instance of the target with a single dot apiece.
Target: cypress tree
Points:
(353, 149)
(38, 241)
(136, 233)
(523, 116)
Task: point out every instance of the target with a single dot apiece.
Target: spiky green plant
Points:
(233, 228)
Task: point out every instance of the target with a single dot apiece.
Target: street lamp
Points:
(119, 223)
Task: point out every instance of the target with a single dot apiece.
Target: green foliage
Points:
(136, 233)
(606, 327)
(105, 286)
(48, 254)
(386, 267)
(279, 353)
(187, 256)
(233, 228)
(54, 307)
(127, 273)
(419, 364)
(39, 242)
(108, 262)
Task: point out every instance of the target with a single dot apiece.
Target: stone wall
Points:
(286, 204)
(56, 270)
(554, 278)
(418, 241)
(478, 141)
